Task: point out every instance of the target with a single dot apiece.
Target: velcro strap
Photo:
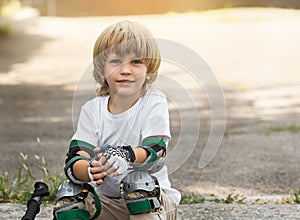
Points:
(143, 205)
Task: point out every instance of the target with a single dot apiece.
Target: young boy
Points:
(121, 137)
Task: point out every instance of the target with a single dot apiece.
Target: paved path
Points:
(254, 55)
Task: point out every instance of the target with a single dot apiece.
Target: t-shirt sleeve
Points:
(156, 117)
(86, 127)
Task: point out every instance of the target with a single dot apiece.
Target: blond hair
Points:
(123, 38)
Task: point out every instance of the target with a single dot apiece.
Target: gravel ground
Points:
(193, 212)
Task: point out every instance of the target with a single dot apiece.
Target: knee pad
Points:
(74, 201)
(141, 192)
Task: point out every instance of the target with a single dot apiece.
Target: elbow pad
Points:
(73, 156)
(156, 149)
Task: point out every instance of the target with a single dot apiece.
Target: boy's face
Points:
(125, 75)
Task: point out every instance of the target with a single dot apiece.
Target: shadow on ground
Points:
(23, 47)
(253, 158)
(29, 112)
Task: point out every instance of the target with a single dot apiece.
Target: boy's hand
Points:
(115, 158)
(96, 171)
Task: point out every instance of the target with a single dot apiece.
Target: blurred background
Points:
(134, 7)
(252, 47)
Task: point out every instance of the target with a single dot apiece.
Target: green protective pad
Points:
(77, 214)
(150, 141)
(73, 160)
(139, 207)
(83, 146)
(81, 143)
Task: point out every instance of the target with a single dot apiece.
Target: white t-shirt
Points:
(149, 116)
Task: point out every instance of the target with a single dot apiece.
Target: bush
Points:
(21, 188)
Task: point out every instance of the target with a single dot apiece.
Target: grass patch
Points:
(5, 29)
(20, 189)
(231, 198)
(294, 199)
(276, 129)
(296, 196)
(192, 198)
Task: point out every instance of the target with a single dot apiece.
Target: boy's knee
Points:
(75, 201)
(141, 192)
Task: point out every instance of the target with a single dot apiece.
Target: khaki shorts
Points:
(116, 209)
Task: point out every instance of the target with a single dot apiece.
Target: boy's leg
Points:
(169, 206)
(74, 201)
(159, 215)
(113, 209)
(168, 211)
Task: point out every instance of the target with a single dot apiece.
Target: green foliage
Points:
(192, 198)
(277, 129)
(21, 188)
(294, 199)
(296, 196)
(5, 29)
(231, 198)
(234, 198)
(9, 7)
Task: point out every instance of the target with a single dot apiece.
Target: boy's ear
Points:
(149, 76)
(103, 78)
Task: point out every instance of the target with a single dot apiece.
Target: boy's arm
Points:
(77, 163)
(152, 150)
(141, 154)
(80, 169)
(116, 159)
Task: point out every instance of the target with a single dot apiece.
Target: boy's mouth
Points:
(125, 81)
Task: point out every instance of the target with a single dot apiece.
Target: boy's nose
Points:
(125, 68)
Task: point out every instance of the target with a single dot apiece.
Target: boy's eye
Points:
(136, 61)
(115, 61)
